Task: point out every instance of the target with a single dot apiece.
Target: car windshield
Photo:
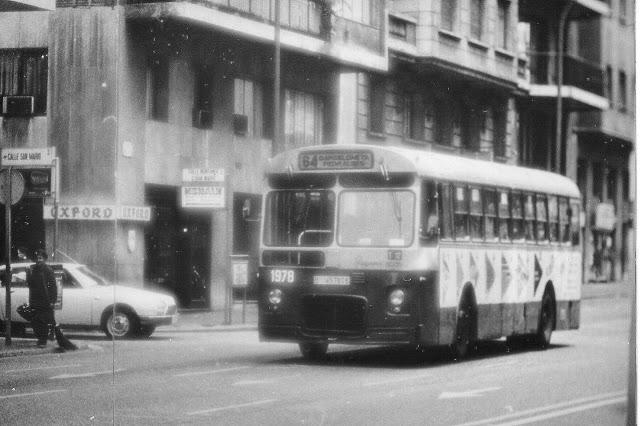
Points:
(88, 278)
(376, 218)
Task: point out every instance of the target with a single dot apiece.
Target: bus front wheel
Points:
(313, 351)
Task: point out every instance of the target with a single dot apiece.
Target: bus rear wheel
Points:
(546, 321)
(464, 339)
(313, 351)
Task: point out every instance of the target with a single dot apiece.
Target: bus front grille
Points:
(334, 315)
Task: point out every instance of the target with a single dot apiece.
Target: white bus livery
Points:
(380, 245)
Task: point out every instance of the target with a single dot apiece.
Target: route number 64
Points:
(282, 276)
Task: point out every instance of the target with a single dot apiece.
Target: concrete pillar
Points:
(346, 117)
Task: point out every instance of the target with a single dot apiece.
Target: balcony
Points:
(583, 81)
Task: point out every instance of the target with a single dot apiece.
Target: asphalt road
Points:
(229, 377)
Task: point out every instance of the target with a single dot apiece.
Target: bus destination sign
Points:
(335, 160)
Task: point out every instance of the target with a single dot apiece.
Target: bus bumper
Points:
(370, 336)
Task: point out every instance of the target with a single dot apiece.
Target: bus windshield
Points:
(299, 218)
(376, 218)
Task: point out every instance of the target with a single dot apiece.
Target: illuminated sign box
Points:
(335, 160)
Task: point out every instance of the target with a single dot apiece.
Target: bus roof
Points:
(370, 158)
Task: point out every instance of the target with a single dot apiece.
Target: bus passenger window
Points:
(541, 218)
(503, 215)
(529, 218)
(553, 218)
(446, 227)
(475, 214)
(575, 222)
(461, 213)
(490, 222)
(429, 220)
(565, 234)
(516, 216)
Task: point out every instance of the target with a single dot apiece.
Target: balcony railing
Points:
(576, 72)
(300, 15)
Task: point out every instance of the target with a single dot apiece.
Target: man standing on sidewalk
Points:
(42, 296)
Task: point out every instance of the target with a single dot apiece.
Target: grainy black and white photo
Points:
(318, 212)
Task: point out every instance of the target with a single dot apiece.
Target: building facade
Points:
(139, 97)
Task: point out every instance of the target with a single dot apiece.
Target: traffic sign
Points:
(27, 156)
(17, 186)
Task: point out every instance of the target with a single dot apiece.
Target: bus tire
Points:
(546, 320)
(465, 335)
(313, 351)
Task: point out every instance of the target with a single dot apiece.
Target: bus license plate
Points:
(331, 280)
(282, 276)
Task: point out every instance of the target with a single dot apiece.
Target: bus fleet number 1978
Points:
(282, 276)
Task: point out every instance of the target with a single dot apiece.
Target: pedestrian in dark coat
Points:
(42, 296)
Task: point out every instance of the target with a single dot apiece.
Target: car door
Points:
(19, 292)
(77, 302)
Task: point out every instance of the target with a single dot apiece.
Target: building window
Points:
(611, 185)
(444, 117)
(609, 84)
(24, 73)
(477, 18)
(499, 132)
(303, 119)
(246, 99)
(203, 98)
(471, 126)
(448, 10)
(356, 10)
(414, 116)
(622, 86)
(376, 104)
(502, 27)
(158, 90)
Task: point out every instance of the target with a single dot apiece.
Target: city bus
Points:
(381, 245)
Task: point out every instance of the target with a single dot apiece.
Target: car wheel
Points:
(120, 324)
(146, 331)
(313, 351)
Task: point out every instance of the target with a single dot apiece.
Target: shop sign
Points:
(605, 217)
(203, 196)
(203, 175)
(100, 213)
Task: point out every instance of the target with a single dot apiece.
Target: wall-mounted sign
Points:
(37, 182)
(27, 156)
(203, 196)
(239, 271)
(203, 175)
(605, 217)
(93, 212)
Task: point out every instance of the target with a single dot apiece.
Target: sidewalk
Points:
(199, 320)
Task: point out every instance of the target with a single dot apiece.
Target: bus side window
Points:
(552, 202)
(516, 216)
(541, 218)
(461, 213)
(446, 221)
(503, 215)
(429, 227)
(564, 218)
(475, 214)
(575, 222)
(529, 218)
(490, 214)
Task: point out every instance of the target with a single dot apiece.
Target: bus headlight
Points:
(396, 299)
(275, 296)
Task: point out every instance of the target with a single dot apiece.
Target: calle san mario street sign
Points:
(27, 157)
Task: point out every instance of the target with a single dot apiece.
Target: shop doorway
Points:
(27, 229)
(178, 248)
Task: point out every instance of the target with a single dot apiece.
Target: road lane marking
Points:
(20, 370)
(230, 407)
(398, 380)
(80, 375)
(17, 395)
(560, 413)
(202, 373)
(533, 411)
(471, 393)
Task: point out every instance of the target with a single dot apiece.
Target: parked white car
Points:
(91, 301)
